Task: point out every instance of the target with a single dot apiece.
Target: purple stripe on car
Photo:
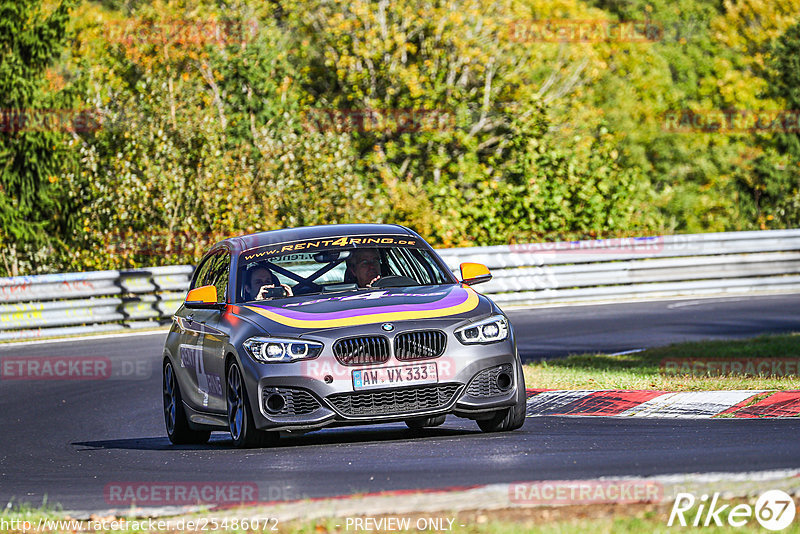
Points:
(456, 296)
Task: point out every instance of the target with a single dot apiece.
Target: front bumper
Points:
(469, 389)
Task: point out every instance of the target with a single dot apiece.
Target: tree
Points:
(475, 161)
(785, 85)
(771, 190)
(202, 136)
(33, 142)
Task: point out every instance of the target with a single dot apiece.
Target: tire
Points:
(243, 430)
(425, 422)
(510, 418)
(178, 429)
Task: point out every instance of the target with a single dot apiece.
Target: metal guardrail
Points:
(97, 301)
(636, 268)
(525, 274)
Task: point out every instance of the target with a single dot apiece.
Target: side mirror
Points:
(202, 297)
(474, 273)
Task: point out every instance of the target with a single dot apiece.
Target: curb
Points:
(665, 404)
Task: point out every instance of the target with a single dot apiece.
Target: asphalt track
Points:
(553, 332)
(66, 441)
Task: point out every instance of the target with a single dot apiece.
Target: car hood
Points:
(356, 308)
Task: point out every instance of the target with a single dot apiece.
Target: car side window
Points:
(218, 275)
(201, 275)
(434, 273)
(415, 264)
(401, 263)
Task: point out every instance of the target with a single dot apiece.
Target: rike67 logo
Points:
(774, 510)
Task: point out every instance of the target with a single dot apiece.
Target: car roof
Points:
(247, 242)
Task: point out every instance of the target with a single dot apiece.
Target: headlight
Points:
(490, 330)
(269, 349)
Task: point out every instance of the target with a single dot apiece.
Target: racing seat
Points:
(349, 277)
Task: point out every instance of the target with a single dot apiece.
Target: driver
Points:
(365, 265)
(259, 279)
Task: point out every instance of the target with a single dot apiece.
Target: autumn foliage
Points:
(474, 123)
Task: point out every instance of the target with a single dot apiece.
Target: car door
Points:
(194, 328)
(212, 374)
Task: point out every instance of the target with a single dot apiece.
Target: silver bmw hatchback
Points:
(298, 329)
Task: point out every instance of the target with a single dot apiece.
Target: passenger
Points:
(259, 280)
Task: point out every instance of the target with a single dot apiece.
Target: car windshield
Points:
(343, 264)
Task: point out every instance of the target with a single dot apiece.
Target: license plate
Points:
(404, 375)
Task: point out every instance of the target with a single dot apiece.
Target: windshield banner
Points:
(329, 243)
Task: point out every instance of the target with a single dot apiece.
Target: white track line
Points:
(15, 344)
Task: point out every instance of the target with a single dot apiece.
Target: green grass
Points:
(643, 370)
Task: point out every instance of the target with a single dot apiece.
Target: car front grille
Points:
(296, 401)
(362, 350)
(394, 402)
(419, 345)
(484, 384)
